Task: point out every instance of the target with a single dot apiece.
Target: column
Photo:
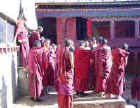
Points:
(71, 28)
(137, 36)
(60, 28)
(112, 29)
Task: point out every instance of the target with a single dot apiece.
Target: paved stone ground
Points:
(50, 101)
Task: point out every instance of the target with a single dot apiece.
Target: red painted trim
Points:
(9, 49)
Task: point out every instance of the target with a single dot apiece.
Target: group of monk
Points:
(68, 67)
(91, 64)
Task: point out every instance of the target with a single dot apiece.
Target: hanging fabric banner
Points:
(89, 27)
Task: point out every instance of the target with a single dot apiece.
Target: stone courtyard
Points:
(93, 100)
(90, 101)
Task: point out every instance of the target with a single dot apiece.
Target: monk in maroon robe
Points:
(20, 26)
(65, 75)
(115, 83)
(46, 65)
(103, 64)
(53, 65)
(135, 87)
(92, 77)
(82, 66)
(35, 35)
(36, 70)
(24, 48)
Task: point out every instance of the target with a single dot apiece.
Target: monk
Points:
(20, 26)
(115, 83)
(46, 65)
(35, 35)
(93, 43)
(36, 70)
(82, 63)
(24, 48)
(92, 77)
(65, 60)
(135, 87)
(103, 64)
(53, 65)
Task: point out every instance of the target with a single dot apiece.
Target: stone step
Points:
(90, 101)
(94, 101)
(130, 106)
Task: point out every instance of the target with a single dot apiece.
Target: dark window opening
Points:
(49, 28)
(81, 28)
(125, 29)
(101, 29)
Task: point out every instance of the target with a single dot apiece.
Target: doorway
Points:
(49, 28)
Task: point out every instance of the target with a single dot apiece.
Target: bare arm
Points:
(71, 57)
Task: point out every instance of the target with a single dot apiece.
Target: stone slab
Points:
(90, 101)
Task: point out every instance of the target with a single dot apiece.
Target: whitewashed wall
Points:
(8, 78)
(11, 9)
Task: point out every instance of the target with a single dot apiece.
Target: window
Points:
(125, 29)
(101, 29)
(81, 28)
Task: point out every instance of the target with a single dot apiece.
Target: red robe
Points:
(115, 83)
(20, 27)
(135, 88)
(82, 66)
(35, 35)
(65, 79)
(103, 64)
(46, 67)
(24, 48)
(36, 71)
(51, 70)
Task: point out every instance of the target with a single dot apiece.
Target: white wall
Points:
(11, 9)
(8, 78)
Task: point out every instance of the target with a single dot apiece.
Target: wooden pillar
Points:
(71, 28)
(60, 24)
(112, 29)
(137, 27)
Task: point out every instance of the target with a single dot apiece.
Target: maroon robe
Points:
(36, 71)
(46, 67)
(24, 48)
(35, 35)
(65, 79)
(135, 88)
(103, 64)
(51, 70)
(20, 27)
(115, 83)
(82, 66)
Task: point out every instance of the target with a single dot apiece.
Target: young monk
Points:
(115, 82)
(35, 35)
(82, 63)
(24, 48)
(103, 64)
(36, 71)
(65, 60)
(46, 65)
